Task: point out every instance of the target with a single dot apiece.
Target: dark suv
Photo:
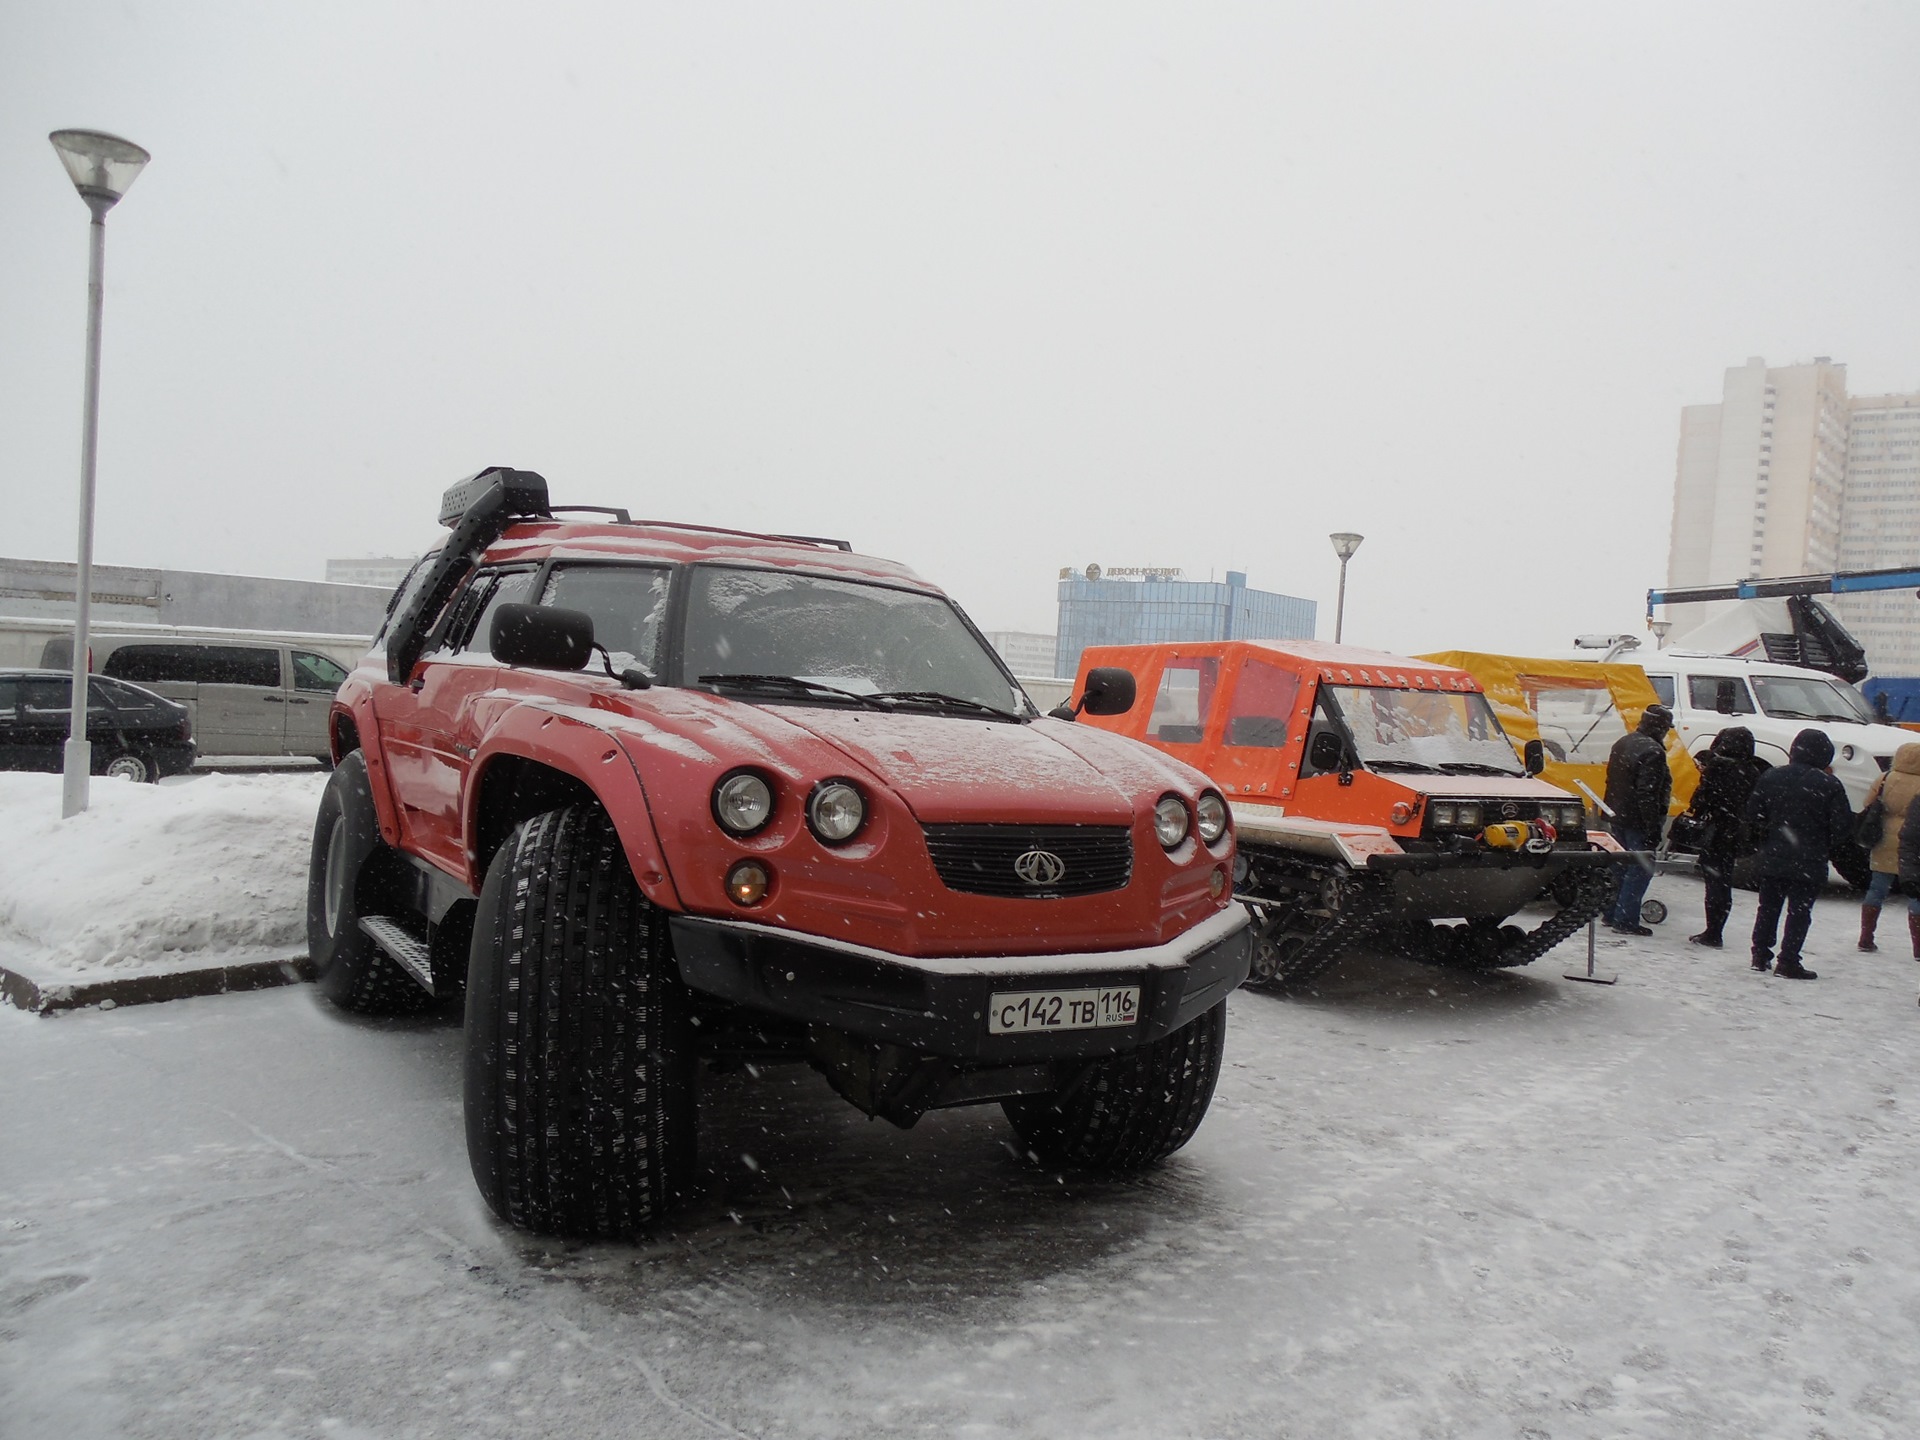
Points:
(659, 793)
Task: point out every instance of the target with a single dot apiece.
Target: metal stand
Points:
(1593, 929)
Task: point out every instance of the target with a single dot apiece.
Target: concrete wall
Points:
(44, 588)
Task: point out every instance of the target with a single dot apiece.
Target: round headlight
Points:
(742, 802)
(1469, 817)
(1846, 752)
(836, 811)
(1210, 817)
(1170, 820)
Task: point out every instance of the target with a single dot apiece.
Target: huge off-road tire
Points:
(1127, 1111)
(579, 1057)
(352, 873)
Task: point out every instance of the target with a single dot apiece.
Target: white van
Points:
(246, 697)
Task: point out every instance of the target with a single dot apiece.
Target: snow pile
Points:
(154, 875)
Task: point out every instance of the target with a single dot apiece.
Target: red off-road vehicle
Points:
(658, 794)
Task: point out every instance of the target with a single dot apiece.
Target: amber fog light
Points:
(747, 883)
(1402, 812)
(1217, 882)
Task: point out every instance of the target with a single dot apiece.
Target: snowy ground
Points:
(196, 870)
(1424, 1205)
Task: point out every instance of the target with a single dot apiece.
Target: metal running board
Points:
(401, 946)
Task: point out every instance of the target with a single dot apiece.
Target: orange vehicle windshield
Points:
(1423, 729)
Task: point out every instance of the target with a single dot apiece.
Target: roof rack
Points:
(746, 534)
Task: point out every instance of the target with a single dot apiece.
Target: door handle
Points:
(274, 699)
(297, 701)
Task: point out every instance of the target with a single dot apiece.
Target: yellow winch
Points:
(1507, 835)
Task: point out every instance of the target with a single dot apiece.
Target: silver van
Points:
(246, 697)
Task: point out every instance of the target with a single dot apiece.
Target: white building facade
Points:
(1789, 475)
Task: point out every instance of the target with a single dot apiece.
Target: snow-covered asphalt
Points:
(1423, 1205)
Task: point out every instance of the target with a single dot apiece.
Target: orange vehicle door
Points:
(1260, 727)
(1183, 701)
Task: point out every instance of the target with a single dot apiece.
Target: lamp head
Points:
(1345, 543)
(102, 166)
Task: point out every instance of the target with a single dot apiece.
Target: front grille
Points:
(980, 859)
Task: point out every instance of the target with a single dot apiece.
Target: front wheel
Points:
(1127, 1111)
(580, 1098)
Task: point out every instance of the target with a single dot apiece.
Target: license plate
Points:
(1013, 1014)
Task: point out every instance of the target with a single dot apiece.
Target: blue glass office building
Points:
(1138, 612)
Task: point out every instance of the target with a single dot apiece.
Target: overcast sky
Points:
(989, 289)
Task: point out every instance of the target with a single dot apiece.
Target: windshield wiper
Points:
(1418, 765)
(789, 685)
(1475, 767)
(939, 699)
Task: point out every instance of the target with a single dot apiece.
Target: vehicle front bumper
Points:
(939, 1006)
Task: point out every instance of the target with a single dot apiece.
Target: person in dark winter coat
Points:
(1727, 774)
(1638, 788)
(1795, 816)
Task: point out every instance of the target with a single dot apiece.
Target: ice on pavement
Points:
(201, 867)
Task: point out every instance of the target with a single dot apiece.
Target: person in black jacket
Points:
(1795, 816)
(1727, 774)
(1910, 858)
(1638, 788)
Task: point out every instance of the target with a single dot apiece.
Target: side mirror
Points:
(1109, 692)
(1327, 751)
(1534, 756)
(542, 637)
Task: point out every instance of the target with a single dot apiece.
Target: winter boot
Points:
(1794, 970)
(1913, 929)
(1709, 938)
(1869, 919)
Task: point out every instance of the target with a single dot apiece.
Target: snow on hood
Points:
(947, 769)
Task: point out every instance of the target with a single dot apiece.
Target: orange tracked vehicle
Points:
(1375, 796)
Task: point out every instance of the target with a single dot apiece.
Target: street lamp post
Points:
(1344, 544)
(102, 167)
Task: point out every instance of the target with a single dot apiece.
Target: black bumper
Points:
(1416, 862)
(940, 1007)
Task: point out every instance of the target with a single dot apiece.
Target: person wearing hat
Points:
(1795, 816)
(1638, 788)
(1728, 772)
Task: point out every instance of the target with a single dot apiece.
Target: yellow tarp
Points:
(1578, 708)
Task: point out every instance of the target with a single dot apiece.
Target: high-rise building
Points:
(1788, 475)
(1100, 608)
(1025, 652)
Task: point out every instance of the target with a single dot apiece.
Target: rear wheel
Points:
(352, 873)
(580, 1098)
(133, 767)
(1127, 1111)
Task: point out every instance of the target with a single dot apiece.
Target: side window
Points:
(1185, 696)
(9, 695)
(1261, 705)
(1663, 687)
(144, 664)
(513, 588)
(1577, 721)
(1724, 694)
(237, 665)
(43, 697)
(316, 672)
(416, 581)
(627, 603)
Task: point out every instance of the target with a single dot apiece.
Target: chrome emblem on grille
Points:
(1509, 811)
(1040, 867)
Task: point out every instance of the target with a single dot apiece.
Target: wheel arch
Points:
(535, 761)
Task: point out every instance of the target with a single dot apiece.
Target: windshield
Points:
(1809, 697)
(838, 635)
(1424, 729)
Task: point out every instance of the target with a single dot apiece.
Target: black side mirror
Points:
(1534, 756)
(1327, 751)
(542, 637)
(1109, 692)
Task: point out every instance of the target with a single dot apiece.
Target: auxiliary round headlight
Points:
(742, 802)
(1170, 821)
(836, 812)
(747, 883)
(1210, 817)
(1846, 752)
